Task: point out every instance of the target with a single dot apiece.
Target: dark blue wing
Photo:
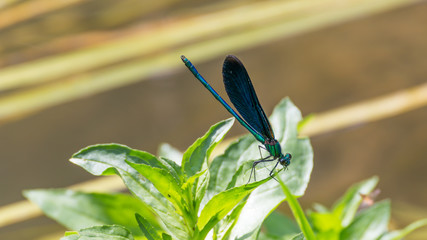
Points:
(242, 94)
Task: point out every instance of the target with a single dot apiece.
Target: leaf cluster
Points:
(178, 195)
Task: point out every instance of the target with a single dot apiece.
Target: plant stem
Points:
(298, 213)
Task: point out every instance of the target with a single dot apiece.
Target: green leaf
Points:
(299, 236)
(77, 210)
(106, 159)
(371, 223)
(166, 236)
(307, 119)
(103, 157)
(224, 167)
(326, 224)
(265, 236)
(200, 189)
(113, 232)
(347, 206)
(279, 225)
(149, 231)
(221, 204)
(174, 169)
(164, 182)
(284, 121)
(171, 158)
(195, 161)
(399, 234)
(298, 213)
(191, 180)
(196, 157)
(229, 221)
(329, 224)
(70, 233)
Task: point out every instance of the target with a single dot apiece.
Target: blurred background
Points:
(80, 72)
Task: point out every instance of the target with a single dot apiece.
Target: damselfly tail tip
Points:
(183, 58)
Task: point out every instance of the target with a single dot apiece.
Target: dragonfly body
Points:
(242, 94)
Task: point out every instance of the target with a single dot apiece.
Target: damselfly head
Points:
(285, 160)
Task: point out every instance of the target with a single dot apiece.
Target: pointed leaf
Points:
(370, 223)
(221, 204)
(113, 232)
(347, 206)
(174, 169)
(77, 210)
(196, 156)
(150, 232)
(195, 160)
(298, 213)
(400, 234)
(229, 221)
(106, 159)
(171, 158)
(164, 182)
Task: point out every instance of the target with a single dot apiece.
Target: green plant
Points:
(182, 196)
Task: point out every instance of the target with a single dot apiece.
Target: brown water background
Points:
(319, 71)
